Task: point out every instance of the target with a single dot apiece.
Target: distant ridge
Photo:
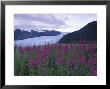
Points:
(21, 34)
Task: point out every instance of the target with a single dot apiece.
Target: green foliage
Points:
(87, 54)
(17, 65)
(20, 65)
(51, 59)
(32, 72)
(81, 70)
(68, 55)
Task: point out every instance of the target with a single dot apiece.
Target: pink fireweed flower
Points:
(65, 48)
(59, 61)
(71, 62)
(44, 54)
(92, 62)
(38, 49)
(34, 63)
(94, 55)
(71, 46)
(82, 58)
(28, 49)
(94, 71)
(58, 53)
(45, 50)
(87, 47)
(82, 46)
(93, 45)
(38, 55)
(22, 50)
(37, 62)
(31, 62)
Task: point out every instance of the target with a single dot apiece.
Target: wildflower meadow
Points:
(56, 60)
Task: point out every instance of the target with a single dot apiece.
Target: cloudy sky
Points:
(59, 22)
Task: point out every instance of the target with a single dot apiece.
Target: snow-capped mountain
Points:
(22, 34)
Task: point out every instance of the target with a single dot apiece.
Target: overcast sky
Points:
(59, 22)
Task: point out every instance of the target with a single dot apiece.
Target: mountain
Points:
(48, 33)
(88, 33)
(21, 34)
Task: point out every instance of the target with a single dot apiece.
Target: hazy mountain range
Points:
(21, 34)
(41, 37)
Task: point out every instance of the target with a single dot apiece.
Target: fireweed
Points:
(56, 60)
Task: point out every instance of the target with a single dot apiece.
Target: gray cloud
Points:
(54, 21)
(47, 19)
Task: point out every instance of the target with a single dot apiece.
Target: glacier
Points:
(43, 40)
